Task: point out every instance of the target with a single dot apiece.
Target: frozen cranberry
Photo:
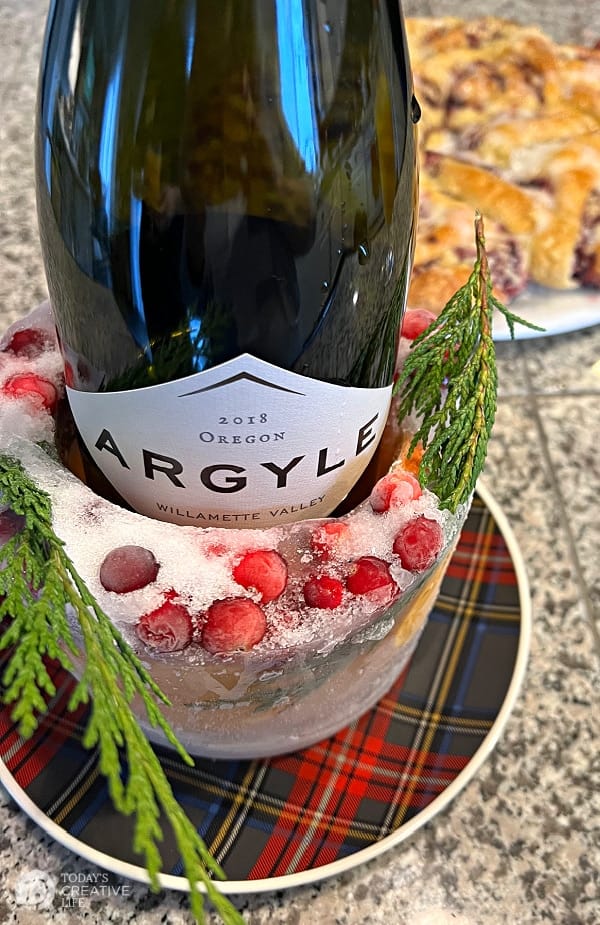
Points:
(328, 537)
(369, 574)
(265, 571)
(416, 320)
(323, 592)
(394, 489)
(169, 628)
(419, 543)
(37, 390)
(29, 343)
(233, 624)
(128, 568)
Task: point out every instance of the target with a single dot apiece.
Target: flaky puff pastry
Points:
(553, 249)
(499, 144)
(511, 127)
(569, 237)
(433, 286)
(565, 174)
(578, 79)
(430, 36)
(489, 66)
(507, 203)
(445, 251)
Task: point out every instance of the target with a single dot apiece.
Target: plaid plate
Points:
(278, 817)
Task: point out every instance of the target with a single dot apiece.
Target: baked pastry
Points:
(445, 251)
(511, 126)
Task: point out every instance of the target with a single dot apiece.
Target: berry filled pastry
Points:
(511, 126)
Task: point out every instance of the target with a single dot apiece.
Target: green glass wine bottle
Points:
(227, 202)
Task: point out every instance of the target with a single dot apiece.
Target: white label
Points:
(241, 444)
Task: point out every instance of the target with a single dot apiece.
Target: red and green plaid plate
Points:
(284, 821)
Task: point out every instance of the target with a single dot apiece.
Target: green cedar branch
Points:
(449, 380)
(39, 585)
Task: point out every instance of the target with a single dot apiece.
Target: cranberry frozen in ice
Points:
(324, 592)
(235, 624)
(370, 574)
(418, 544)
(263, 570)
(396, 488)
(128, 568)
(168, 628)
(37, 390)
(330, 538)
(29, 342)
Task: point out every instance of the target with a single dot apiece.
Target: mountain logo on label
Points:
(237, 378)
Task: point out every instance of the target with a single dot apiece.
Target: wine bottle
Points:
(227, 200)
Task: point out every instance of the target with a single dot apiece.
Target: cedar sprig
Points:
(39, 587)
(449, 380)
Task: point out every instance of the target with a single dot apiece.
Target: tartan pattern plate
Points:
(300, 817)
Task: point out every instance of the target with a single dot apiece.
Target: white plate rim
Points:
(335, 868)
(557, 311)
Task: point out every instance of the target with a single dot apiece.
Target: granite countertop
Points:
(520, 843)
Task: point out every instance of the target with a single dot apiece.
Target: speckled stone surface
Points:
(521, 844)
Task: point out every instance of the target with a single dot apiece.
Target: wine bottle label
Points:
(244, 443)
